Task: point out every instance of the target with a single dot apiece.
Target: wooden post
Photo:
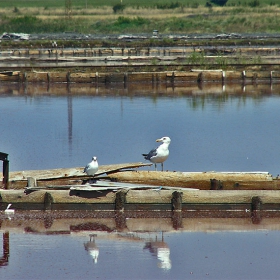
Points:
(216, 184)
(5, 173)
(5, 180)
(176, 201)
(244, 75)
(125, 80)
(96, 79)
(68, 77)
(120, 200)
(48, 200)
(255, 210)
(256, 203)
(173, 78)
(31, 182)
(48, 222)
(6, 249)
(120, 220)
(177, 220)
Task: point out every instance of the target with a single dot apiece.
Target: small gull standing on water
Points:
(92, 167)
(160, 154)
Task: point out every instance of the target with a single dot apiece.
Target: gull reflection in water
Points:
(92, 248)
(9, 212)
(161, 250)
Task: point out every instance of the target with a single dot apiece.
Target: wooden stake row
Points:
(170, 77)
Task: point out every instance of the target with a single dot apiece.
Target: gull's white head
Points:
(164, 139)
(94, 158)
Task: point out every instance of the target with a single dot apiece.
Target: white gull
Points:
(160, 154)
(92, 167)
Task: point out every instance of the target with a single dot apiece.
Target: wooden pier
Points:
(122, 188)
(195, 76)
(165, 64)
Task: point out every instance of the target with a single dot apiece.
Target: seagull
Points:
(160, 154)
(9, 212)
(92, 167)
(92, 248)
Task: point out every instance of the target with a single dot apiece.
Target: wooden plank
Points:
(82, 77)
(185, 179)
(103, 186)
(232, 76)
(57, 77)
(204, 196)
(11, 76)
(213, 76)
(140, 77)
(36, 77)
(58, 196)
(71, 172)
(144, 196)
(106, 185)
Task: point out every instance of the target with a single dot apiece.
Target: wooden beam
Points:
(72, 172)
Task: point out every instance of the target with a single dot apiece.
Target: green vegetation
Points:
(219, 2)
(93, 3)
(220, 61)
(132, 3)
(167, 16)
(118, 8)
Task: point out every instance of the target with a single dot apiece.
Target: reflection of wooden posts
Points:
(176, 201)
(256, 206)
(120, 201)
(4, 158)
(120, 217)
(6, 249)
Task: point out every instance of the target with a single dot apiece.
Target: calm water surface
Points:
(212, 128)
(197, 252)
(235, 129)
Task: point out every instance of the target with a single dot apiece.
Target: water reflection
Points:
(63, 237)
(213, 127)
(4, 260)
(161, 250)
(92, 248)
(70, 120)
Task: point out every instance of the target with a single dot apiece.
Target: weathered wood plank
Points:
(71, 172)
(134, 196)
(107, 185)
(58, 196)
(199, 180)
